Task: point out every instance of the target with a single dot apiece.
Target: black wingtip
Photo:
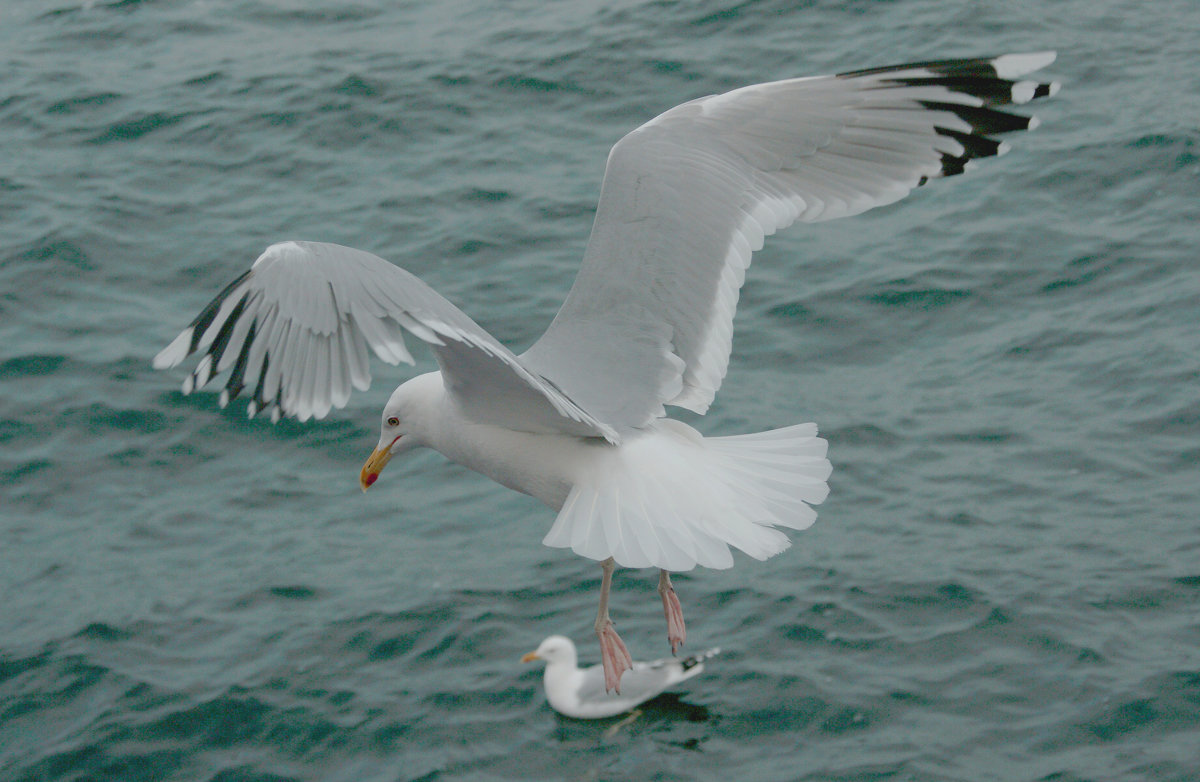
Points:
(205, 318)
(973, 88)
(235, 386)
(963, 67)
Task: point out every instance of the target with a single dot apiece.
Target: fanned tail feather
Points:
(674, 499)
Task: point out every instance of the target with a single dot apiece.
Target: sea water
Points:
(1003, 584)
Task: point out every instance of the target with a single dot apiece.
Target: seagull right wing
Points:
(294, 331)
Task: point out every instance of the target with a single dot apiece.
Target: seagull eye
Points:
(393, 421)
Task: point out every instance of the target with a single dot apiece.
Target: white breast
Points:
(544, 466)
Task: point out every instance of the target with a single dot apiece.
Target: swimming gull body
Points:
(578, 420)
(581, 692)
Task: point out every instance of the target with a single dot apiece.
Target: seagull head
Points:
(557, 649)
(402, 413)
(391, 441)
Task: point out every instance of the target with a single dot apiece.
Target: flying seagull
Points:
(578, 420)
(582, 692)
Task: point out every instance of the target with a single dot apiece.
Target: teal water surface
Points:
(1003, 584)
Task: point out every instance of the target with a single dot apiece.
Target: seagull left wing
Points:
(294, 330)
(641, 682)
(690, 195)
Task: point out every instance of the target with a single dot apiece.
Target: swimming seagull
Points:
(578, 420)
(583, 693)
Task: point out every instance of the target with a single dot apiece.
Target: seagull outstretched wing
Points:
(294, 332)
(688, 196)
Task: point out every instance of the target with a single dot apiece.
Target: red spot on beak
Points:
(373, 466)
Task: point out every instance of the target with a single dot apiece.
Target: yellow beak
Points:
(530, 657)
(373, 466)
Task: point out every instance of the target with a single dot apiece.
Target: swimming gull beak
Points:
(530, 657)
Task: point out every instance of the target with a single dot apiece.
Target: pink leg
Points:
(676, 631)
(613, 653)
